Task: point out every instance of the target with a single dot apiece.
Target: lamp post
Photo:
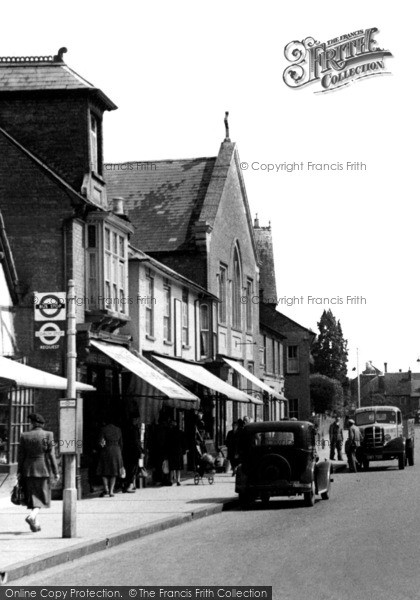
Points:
(358, 378)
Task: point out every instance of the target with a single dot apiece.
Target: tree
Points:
(326, 394)
(330, 349)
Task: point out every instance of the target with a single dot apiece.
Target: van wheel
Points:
(309, 497)
(401, 461)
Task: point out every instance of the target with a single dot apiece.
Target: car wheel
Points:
(265, 498)
(244, 500)
(401, 461)
(326, 495)
(309, 497)
(410, 456)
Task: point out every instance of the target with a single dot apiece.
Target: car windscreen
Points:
(365, 418)
(386, 416)
(275, 438)
(380, 416)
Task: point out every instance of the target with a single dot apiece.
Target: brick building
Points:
(401, 389)
(59, 225)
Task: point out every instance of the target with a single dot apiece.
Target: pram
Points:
(204, 468)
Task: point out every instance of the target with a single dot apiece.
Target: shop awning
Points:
(21, 375)
(148, 373)
(253, 379)
(203, 377)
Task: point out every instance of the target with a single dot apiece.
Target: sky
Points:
(174, 68)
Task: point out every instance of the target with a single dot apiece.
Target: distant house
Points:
(401, 389)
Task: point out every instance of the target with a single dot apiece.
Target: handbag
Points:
(165, 467)
(18, 495)
(122, 473)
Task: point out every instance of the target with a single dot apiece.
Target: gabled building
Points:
(193, 216)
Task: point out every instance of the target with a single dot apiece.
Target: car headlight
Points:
(388, 437)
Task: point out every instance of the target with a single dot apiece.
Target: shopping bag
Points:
(18, 495)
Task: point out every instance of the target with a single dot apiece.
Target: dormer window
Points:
(94, 143)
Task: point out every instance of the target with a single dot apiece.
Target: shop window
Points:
(15, 406)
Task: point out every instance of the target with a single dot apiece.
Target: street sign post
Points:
(49, 316)
(50, 306)
(69, 424)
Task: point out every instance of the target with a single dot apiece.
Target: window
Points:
(106, 268)
(15, 406)
(222, 294)
(236, 293)
(292, 359)
(293, 409)
(167, 329)
(279, 369)
(265, 353)
(94, 138)
(115, 271)
(204, 331)
(149, 304)
(185, 319)
(273, 358)
(249, 305)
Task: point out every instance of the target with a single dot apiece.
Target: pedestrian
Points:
(176, 448)
(352, 443)
(336, 438)
(36, 464)
(110, 460)
(231, 446)
(239, 442)
(132, 451)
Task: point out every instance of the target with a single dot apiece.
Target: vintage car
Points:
(279, 458)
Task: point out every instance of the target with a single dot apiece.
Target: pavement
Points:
(103, 523)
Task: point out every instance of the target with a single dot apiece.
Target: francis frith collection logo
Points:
(337, 62)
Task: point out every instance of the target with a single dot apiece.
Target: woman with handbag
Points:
(36, 464)
(110, 461)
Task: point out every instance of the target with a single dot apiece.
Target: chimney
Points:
(385, 367)
(118, 206)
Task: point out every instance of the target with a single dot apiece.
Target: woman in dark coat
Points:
(110, 461)
(36, 464)
(176, 449)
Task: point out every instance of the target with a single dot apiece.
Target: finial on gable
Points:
(59, 56)
(227, 138)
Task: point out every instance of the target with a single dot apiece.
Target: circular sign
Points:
(50, 306)
(49, 333)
